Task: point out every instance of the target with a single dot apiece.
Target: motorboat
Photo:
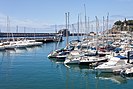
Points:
(114, 64)
(62, 55)
(127, 72)
(92, 61)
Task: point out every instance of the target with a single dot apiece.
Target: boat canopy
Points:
(121, 57)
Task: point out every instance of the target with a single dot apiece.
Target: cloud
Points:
(117, 16)
(21, 23)
(120, 17)
(38, 26)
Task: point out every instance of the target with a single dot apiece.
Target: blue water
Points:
(31, 69)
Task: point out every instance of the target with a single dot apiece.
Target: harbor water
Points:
(31, 69)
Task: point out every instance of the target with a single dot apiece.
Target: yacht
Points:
(128, 72)
(115, 64)
(92, 61)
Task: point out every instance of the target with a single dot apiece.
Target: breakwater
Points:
(27, 34)
(3, 34)
(39, 37)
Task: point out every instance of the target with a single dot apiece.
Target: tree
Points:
(118, 23)
(130, 22)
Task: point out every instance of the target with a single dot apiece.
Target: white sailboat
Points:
(2, 47)
(73, 58)
(9, 45)
(61, 54)
(20, 44)
(31, 43)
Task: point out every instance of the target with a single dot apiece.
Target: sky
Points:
(43, 15)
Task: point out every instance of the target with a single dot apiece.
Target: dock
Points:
(39, 37)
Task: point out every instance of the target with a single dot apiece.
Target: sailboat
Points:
(73, 56)
(8, 44)
(2, 47)
(61, 54)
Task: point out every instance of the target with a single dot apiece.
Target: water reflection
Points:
(110, 76)
(21, 68)
(33, 48)
(7, 58)
(19, 51)
(86, 71)
(5, 64)
(79, 77)
(99, 76)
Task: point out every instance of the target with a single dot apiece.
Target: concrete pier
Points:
(39, 37)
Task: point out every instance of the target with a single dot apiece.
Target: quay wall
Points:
(42, 37)
(2, 34)
(26, 34)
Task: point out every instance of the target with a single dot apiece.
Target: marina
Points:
(31, 68)
(105, 56)
(78, 44)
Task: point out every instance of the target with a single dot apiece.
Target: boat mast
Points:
(24, 32)
(88, 25)
(88, 34)
(81, 24)
(107, 28)
(67, 28)
(85, 19)
(97, 26)
(34, 33)
(103, 30)
(57, 44)
(78, 26)
(56, 29)
(17, 29)
(8, 28)
(74, 30)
